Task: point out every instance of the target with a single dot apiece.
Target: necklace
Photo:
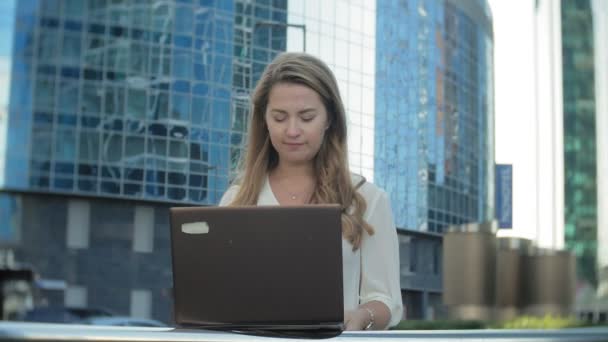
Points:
(295, 195)
(303, 196)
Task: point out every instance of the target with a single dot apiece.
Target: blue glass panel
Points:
(67, 72)
(23, 44)
(63, 183)
(176, 193)
(88, 170)
(182, 41)
(176, 178)
(161, 85)
(223, 47)
(279, 16)
(72, 25)
(222, 93)
(181, 86)
(46, 70)
(42, 142)
(222, 70)
(134, 174)
(43, 118)
(93, 75)
(113, 125)
(89, 121)
(97, 29)
(141, 35)
(49, 22)
(155, 176)
(155, 190)
(180, 107)
(157, 129)
(67, 120)
(200, 72)
(132, 189)
(65, 145)
(39, 181)
(226, 5)
(10, 211)
(236, 139)
(110, 187)
(200, 88)
(64, 168)
(185, 19)
(182, 64)
(221, 115)
(219, 137)
(197, 181)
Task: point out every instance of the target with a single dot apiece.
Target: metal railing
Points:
(17, 331)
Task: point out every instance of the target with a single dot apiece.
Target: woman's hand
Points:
(356, 319)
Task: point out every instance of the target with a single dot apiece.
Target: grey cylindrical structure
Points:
(469, 254)
(549, 282)
(509, 275)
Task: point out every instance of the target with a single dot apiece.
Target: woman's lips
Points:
(293, 145)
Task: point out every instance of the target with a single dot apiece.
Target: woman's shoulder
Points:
(368, 190)
(229, 195)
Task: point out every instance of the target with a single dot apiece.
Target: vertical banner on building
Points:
(504, 195)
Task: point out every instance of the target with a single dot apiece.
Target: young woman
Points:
(297, 154)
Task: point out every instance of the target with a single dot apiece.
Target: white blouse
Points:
(374, 266)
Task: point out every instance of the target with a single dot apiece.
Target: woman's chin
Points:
(296, 160)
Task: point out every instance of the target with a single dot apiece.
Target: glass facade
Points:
(132, 99)
(579, 136)
(434, 148)
(343, 34)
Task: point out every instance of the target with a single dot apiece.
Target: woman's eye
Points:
(307, 118)
(279, 118)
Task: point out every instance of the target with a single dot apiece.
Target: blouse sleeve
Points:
(228, 196)
(380, 279)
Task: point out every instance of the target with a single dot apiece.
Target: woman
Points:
(297, 154)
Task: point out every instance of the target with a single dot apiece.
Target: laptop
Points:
(258, 268)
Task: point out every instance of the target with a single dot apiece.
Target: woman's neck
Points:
(291, 171)
(292, 184)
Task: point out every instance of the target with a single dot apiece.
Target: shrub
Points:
(439, 325)
(545, 322)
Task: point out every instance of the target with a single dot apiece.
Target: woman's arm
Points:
(380, 293)
(228, 196)
(375, 315)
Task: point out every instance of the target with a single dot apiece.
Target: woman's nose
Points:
(293, 128)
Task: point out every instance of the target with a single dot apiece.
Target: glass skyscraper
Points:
(434, 148)
(580, 155)
(133, 98)
(115, 111)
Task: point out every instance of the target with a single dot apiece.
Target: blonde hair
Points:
(333, 182)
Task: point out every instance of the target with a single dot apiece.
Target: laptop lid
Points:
(258, 267)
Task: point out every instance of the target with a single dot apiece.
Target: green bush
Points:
(522, 322)
(439, 325)
(533, 322)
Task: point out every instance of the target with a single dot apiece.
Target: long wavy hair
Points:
(333, 178)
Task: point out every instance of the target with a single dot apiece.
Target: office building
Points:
(600, 41)
(571, 130)
(117, 111)
(434, 112)
(434, 127)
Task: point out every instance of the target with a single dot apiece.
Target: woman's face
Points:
(296, 120)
